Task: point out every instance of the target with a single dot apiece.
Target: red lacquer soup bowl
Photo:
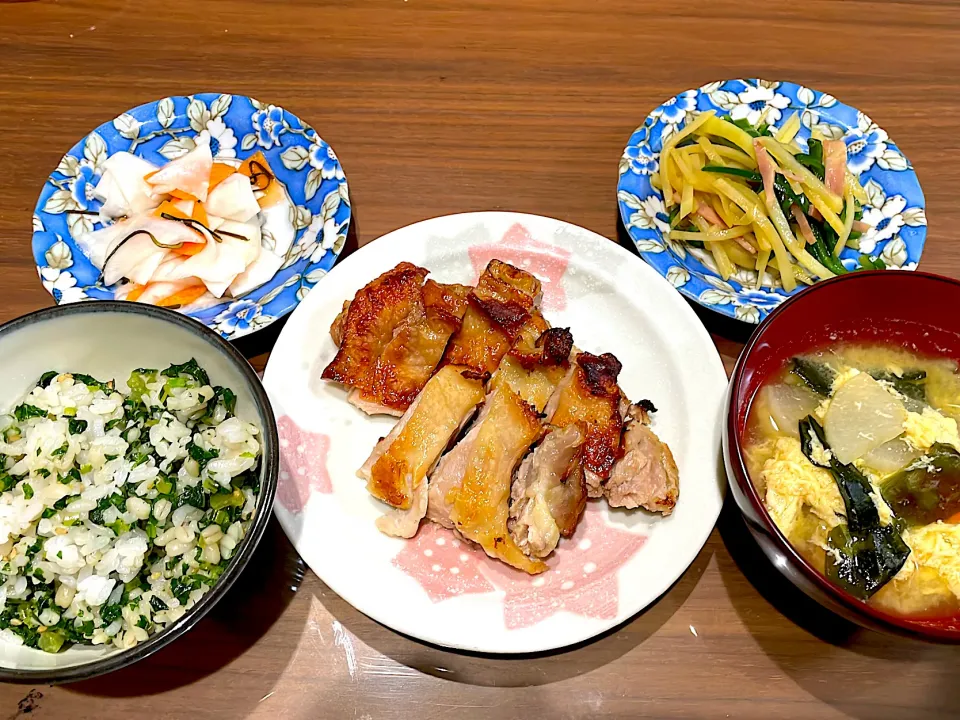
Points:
(916, 311)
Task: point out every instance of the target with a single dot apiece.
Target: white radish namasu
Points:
(219, 263)
(187, 177)
(132, 244)
(233, 199)
(122, 187)
(262, 269)
(191, 232)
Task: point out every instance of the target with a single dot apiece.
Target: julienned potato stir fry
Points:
(755, 199)
(119, 510)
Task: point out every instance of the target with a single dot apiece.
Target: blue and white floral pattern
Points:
(895, 209)
(235, 127)
(674, 112)
(240, 318)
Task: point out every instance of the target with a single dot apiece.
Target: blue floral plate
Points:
(236, 127)
(895, 209)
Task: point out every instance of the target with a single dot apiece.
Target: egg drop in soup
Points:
(855, 453)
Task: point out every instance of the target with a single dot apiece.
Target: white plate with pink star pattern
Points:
(443, 590)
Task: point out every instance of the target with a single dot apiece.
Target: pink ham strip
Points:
(767, 171)
(805, 229)
(709, 214)
(860, 226)
(744, 242)
(834, 164)
(789, 175)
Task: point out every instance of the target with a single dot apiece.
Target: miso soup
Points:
(855, 452)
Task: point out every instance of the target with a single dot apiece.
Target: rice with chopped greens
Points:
(118, 512)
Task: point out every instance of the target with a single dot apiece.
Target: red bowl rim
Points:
(737, 462)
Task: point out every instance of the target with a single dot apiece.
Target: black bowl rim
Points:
(734, 455)
(268, 489)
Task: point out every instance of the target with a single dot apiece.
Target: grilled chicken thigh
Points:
(336, 329)
(533, 369)
(590, 397)
(405, 523)
(646, 476)
(392, 337)
(502, 303)
(372, 318)
(541, 392)
(445, 480)
(479, 506)
(397, 469)
(410, 358)
(526, 377)
(549, 494)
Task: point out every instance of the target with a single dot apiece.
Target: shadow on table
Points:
(524, 670)
(241, 618)
(862, 673)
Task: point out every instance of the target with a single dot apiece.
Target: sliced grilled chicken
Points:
(646, 476)
(410, 358)
(534, 368)
(545, 362)
(548, 494)
(589, 397)
(405, 523)
(490, 488)
(451, 469)
(396, 471)
(480, 504)
(372, 319)
(472, 475)
(499, 307)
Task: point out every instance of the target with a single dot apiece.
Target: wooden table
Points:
(440, 106)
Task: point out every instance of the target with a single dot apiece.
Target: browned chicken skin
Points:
(411, 357)
(590, 397)
(422, 434)
(392, 337)
(480, 505)
(534, 368)
(376, 311)
(336, 329)
(502, 303)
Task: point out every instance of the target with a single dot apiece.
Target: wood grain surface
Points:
(440, 106)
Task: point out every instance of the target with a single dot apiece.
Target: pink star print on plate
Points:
(303, 465)
(582, 578)
(443, 565)
(519, 248)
